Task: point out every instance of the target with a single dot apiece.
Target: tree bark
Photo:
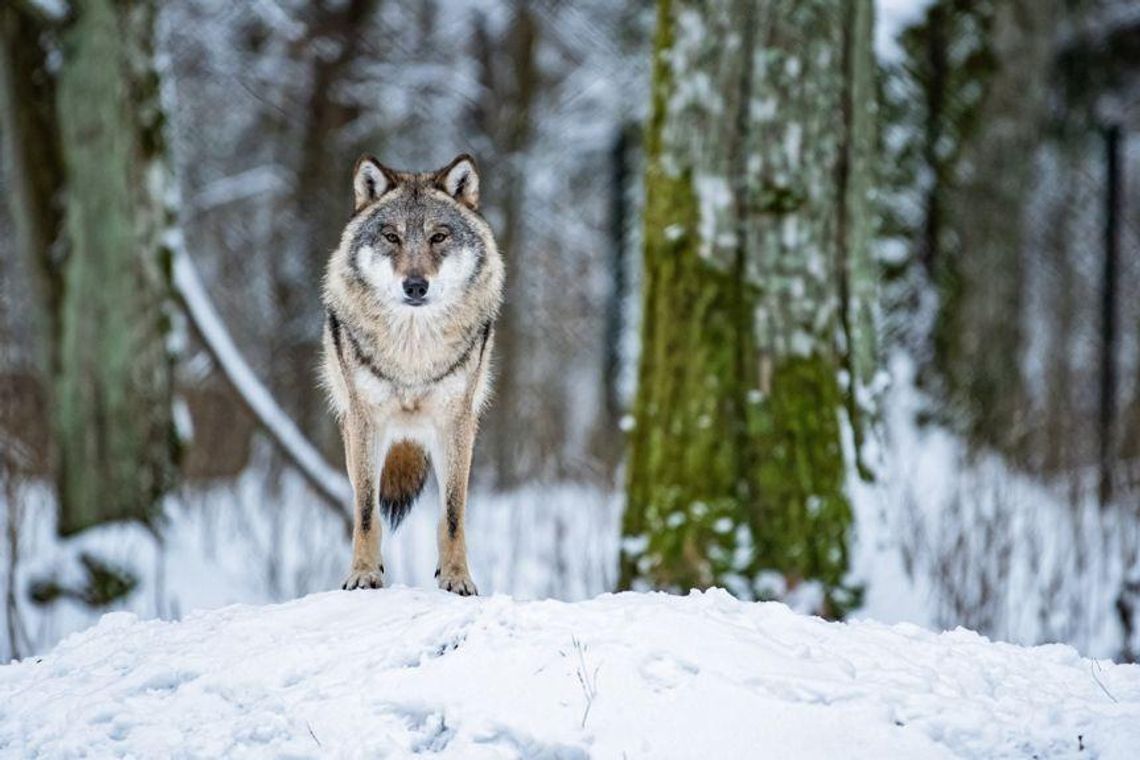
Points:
(1106, 427)
(112, 415)
(508, 71)
(980, 277)
(318, 207)
(34, 167)
(758, 292)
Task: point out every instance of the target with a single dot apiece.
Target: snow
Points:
(260, 180)
(714, 205)
(950, 537)
(53, 10)
(401, 671)
(891, 18)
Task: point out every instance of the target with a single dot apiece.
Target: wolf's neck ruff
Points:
(341, 331)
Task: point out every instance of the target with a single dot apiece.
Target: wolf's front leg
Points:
(452, 572)
(367, 569)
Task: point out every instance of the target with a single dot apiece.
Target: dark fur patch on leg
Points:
(452, 513)
(402, 479)
(366, 509)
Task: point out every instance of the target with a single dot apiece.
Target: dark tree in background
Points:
(976, 252)
(313, 214)
(502, 119)
(758, 286)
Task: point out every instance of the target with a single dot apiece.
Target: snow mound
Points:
(409, 671)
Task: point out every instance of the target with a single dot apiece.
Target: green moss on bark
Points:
(686, 458)
(801, 515)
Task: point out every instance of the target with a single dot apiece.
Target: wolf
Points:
(411, 296)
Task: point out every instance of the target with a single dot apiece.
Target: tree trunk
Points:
(318, 209)
(980, 277)
(112, 413)
(509, 74)
(607, 440)
(1106, 427)
(33, 162)
(758, 288)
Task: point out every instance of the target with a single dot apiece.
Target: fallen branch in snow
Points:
(330, 485)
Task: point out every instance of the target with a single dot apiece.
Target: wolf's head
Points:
(416, 240)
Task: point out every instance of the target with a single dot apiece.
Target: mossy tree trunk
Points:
(110, 366)
(757, 327)
(113, 410)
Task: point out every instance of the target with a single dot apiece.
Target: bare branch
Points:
(330, 484)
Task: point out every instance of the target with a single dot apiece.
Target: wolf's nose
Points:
(415, 288)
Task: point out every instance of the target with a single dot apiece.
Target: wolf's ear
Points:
(460, 180)
(370, 180)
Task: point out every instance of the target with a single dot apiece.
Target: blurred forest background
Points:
(828, 301)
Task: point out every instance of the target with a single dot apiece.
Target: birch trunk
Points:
(758, 292)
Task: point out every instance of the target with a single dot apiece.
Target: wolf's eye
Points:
(439, 237)
(392, 237)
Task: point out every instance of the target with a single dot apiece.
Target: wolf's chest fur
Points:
(412, 383)
(407, 365)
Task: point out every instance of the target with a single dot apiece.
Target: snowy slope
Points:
(403, 671)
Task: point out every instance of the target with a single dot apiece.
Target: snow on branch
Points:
(328, 482)
(47, 12)
(254, 182)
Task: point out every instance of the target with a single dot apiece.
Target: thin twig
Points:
(588, 681)
(1093, 667)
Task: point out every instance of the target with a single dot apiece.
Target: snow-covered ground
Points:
(402, 671)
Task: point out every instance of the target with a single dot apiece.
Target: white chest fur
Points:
(421, 414)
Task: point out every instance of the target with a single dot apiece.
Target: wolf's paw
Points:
(457, 583)
(364, 579)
